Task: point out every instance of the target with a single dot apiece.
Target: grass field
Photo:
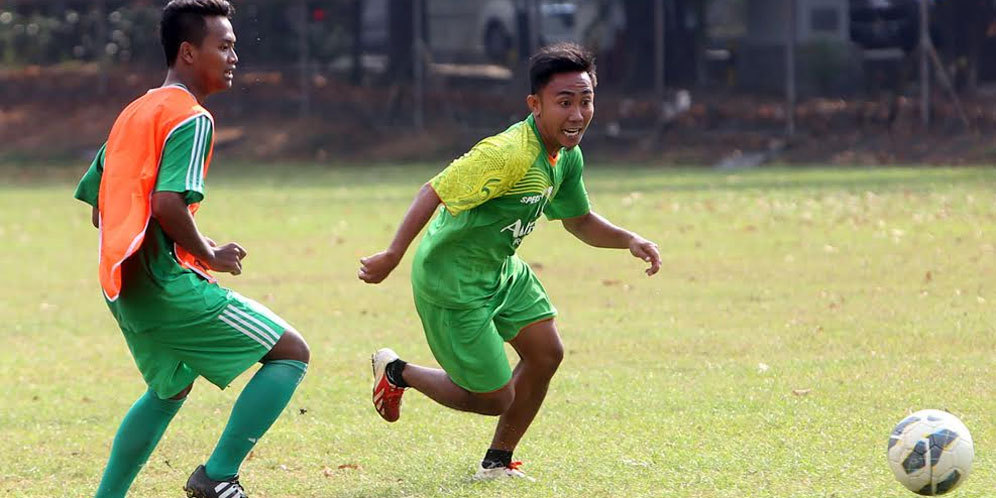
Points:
(800, 314)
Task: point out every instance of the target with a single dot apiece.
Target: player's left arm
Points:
(594, 230)
(89, 186)
(571, 206)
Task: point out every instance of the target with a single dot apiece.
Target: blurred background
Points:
(731, 83)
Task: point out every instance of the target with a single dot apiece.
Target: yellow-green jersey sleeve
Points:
(487, 171)
(89, 187)
(571, 199)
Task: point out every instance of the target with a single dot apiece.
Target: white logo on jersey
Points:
(519, 230)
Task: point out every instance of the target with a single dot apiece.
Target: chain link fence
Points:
(378, 66)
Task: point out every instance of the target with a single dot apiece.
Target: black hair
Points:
(183, 21)
(559, 58)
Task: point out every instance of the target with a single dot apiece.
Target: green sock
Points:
(138, 435)
(259, 405)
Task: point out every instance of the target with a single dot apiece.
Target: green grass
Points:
(872, 289)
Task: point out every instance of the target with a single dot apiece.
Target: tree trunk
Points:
(684, 39)
(684, 35)
(356, 54)
(982, 17)
(960, 29)
(401, 38)
(638, 70)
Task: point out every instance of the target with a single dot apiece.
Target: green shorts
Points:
(469, 343)
(217, 343)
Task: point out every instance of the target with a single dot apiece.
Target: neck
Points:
(176, 77)
(552, 146)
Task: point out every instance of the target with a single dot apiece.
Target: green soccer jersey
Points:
(492, 197)
(153, 282)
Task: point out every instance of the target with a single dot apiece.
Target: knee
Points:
(557, 355)
(303, 351)
(291, 346)
(550, 359)
(182, 394)
(497, 404)
(494, 408)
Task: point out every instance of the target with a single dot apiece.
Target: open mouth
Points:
(572, 132)
(229, 74)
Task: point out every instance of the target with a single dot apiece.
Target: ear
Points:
(533, 101)
(187, 52)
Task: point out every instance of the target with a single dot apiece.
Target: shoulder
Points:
(201, 121)
(574, 158)
(514, 149)
(195, 125)
(574, 154)
(166, 109)
(178, 105)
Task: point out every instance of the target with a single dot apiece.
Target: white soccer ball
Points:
(931, 452)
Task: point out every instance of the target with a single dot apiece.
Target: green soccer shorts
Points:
(217, 344)
(469, 343)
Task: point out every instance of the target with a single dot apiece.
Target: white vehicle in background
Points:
(474, 31)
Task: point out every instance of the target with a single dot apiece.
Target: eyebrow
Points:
(571, 93)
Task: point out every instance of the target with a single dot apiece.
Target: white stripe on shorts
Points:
(264, 331)
(265, 328)
(240, 325)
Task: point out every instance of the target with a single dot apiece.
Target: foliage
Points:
(128, 31)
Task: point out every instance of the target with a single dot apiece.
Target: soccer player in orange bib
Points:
(145, 186)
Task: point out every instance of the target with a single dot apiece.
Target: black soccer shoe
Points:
(201, 486)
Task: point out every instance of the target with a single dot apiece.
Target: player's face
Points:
(563, 109)
(215, 59)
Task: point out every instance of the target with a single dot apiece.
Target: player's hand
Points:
(227, 258)
(647, 251)
(374, 269)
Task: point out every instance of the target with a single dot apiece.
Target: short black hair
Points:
(559, 58)
(183, 21)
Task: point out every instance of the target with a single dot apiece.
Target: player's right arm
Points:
(487, 171)
(181, 182)
(374, 269)
(170, 210)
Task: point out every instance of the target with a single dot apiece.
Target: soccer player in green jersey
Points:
(178, 323)
(471, 291)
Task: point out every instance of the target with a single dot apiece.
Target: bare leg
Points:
(435, 384)
(259, 405)
(540, 353)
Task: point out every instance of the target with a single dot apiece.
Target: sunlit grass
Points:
(799, 315)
